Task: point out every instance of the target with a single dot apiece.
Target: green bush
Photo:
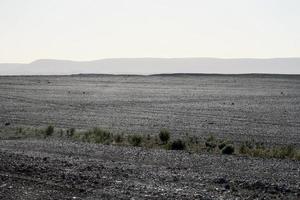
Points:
(135, 140)
(49, 131)
(177, 145)
(164, 136)
(228, 149)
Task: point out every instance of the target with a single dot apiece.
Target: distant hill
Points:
(155, 66)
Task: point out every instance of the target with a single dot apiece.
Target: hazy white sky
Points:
(94, 29)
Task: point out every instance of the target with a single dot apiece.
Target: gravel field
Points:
(259, 107)
(265, 108)
(35, 169)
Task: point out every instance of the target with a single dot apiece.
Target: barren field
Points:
(59, 170)
(263, 108)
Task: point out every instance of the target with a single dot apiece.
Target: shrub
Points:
(164, 136)
(249, 144)
(259, 145)
(243, 149)
(101, 136)
(118, 138)
(259, 150)
(20, 130)
(297, 156)
(135, 140)
(72, 132)
(49, 130)
(61, 132)
(229, 149)
(210, 143)
(290, 151)
(193, 140)
(148, 137)
(222, 145)
(177, 145)
(156, 139)
(284, 152)
(210, 138)
(98, 135)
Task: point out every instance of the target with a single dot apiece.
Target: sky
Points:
(85, 30)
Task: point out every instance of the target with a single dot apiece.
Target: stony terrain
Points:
(238, 108)
(63, 170)
(264, 108)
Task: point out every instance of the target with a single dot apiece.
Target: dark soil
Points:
(64, 170)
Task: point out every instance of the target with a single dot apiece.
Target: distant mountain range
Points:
(155, 66)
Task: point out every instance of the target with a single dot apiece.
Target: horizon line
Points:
(116, 58)
(155, 74)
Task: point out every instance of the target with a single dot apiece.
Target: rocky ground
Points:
(52, 169)
(237, 108)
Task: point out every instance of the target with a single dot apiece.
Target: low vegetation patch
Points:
(260, 150)
(228, 149)
(164, 136)
(49, 131)
(135, 140)
(118, 138)
(177, 145)
(71, 132)
(163, 140)
(98, 135)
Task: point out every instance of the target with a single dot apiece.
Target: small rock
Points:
(178, 189)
